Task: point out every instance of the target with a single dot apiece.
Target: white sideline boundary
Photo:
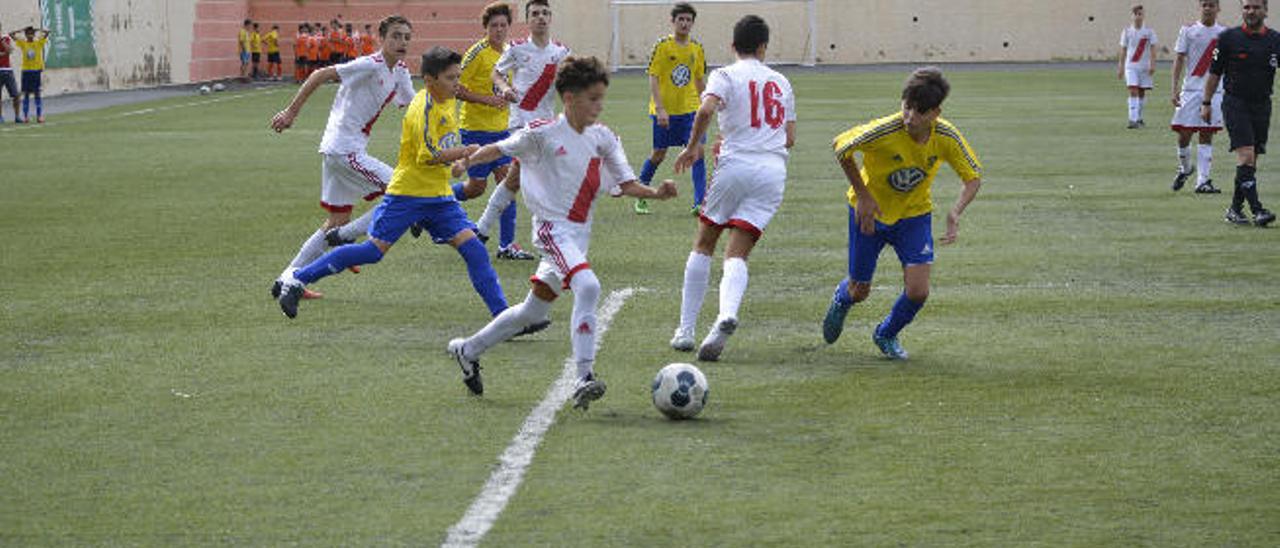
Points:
(144, 111)
(513, 462)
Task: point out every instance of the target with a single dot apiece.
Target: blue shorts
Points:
(443, 217)
(482, 138)
(31, 81)
(677, 132)
(911, 238)
(244, 58)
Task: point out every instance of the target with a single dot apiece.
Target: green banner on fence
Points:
(70, 24)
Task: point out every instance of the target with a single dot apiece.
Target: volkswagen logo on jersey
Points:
(450, 140)
(680, 75)
(906, 178)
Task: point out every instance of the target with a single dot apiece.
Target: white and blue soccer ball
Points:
(205, 90)
(680, 391)
(219, 87)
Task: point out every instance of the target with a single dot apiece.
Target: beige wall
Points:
(139, 43)
(149, 42)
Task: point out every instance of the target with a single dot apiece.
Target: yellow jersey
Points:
(898, 171)
(678, 67)
(255, 42)
(477, 77)
(243, 39)
(272, 40)
(429, 127)
(32, 52)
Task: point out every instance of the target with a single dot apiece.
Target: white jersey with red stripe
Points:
(1197, 42)
(756, 102)
(532, 71)
(563, 172)
(1137, 44)
(367, 86)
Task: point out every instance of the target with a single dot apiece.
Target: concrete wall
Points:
(150, 42)
(139, 43)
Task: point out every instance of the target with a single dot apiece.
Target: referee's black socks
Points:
(1246, 189)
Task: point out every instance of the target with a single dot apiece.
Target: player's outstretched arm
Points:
(503, 87)
(664, 191)
(953, 216)
(866, 208)
(469, 96)
(476, 156)
(693, 151)
(283, 119)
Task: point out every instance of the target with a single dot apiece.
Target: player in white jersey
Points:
(757, 113)
(569, 162)
(1137, 64)
(1195, 46)
(347, 172)
(524, 76)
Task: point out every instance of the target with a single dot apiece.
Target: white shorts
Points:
(1187, 116)
(745, 193)
(346, 178)
(563, 245)
(1136, 77)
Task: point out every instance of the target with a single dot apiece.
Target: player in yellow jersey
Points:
(255, 50)
(677, 76)
(271, 42)
(484, 120)
(32, 48)
(419, 192)
(242, 47)
(890, 202)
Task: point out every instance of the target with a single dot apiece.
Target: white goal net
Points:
(638, 24)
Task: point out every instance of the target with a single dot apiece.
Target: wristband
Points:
(1206, 103)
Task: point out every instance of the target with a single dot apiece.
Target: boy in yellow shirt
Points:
(890, 201)
(32, 49)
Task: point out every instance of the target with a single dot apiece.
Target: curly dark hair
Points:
(579, 73)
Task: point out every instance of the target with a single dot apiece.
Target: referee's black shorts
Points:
(1247, 122)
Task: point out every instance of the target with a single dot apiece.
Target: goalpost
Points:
(713, 29)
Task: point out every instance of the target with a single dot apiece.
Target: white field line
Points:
(140, 112)
(515, 459)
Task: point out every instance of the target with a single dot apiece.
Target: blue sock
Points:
(904, 310)
(458, 192)
(26, 105)
(646, 172)
(39, 106)
(483, 277)
(338, 260)
(699, 181)
(507, 226)
(842, 293)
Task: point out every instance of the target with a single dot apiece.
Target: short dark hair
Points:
(247, 21)
(749, 34)
(683, 7)
(531, 3)
(255, 26)
(437, 59)
(1136, 9)
(385, 25)
(578, 73)
(925, 89)
(493, 10)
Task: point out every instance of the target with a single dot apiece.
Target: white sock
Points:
(1204, 155)
(1142, 102)
(733, 284)
(312, 249)
(357, 228)
(1184, 159)
(1133, 109)
(506, 325)
(498, 201)
(697, 272)
(586, 294)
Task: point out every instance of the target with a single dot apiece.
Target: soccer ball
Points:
(680, 391)
(219, 86)
(205, 90)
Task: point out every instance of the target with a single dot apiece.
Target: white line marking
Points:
(506, 479)
(122, 115)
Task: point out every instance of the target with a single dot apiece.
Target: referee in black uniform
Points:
(1247, 57)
